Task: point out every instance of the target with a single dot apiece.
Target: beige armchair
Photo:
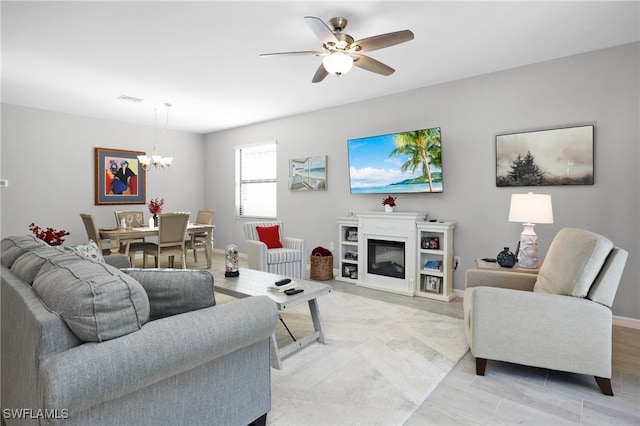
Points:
(560, 319)
(272, 252)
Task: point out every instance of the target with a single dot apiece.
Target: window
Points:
(256, 180)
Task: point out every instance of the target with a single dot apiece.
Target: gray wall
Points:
(48, 158)
(599, 88)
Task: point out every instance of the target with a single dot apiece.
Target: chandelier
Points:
(156, 159)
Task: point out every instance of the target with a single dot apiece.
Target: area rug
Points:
(380, 363)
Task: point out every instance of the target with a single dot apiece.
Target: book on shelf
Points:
(435, 265)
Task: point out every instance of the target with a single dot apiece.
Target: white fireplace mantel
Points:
(390, 226)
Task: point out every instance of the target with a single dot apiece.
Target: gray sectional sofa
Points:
(86, 343)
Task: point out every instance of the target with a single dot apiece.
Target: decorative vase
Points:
(231, 261)
(155, 220)
(388, 208)
(506, 259)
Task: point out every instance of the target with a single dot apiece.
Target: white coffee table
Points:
(254, 283)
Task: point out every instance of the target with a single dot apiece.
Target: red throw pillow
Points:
(270, 235)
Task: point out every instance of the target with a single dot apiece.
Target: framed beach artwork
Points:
(119, 177)
(545, 157)
(308, 174)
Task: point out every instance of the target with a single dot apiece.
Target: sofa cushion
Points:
(27, 266)
(283, 255)
(174, 291)
(573, 262)
(97, 301)
(89, 249)
(14, 247)
(270, 235)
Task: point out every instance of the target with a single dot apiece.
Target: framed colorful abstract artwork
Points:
(119, 177)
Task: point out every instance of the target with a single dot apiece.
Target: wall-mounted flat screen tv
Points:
(396, 163)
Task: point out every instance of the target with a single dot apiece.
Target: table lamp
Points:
(530, 209)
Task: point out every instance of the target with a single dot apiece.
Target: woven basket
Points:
(321, 268)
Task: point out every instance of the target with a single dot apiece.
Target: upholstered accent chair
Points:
(269, 251)
(560, 319)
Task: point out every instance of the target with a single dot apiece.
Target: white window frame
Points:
(241, 183)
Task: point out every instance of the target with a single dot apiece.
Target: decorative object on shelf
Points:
(49, 235)
(308, 174)
(528, 159)
(231, 261)
(389, 203)
(431, 283)
(530, 209)
(156, 159)
(430, 243)
(155, 208)
(120, 178)
(506, 259)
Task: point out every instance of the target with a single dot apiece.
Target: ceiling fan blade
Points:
(383, 40)
(320, 74)
(321, 29)
(370, 64)
(300, 53)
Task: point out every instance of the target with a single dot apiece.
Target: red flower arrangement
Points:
(155, 206)
(49, 235)
(389, 201)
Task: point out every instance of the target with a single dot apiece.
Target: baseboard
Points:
(626, 322)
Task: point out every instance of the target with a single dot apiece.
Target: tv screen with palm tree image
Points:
(404, 162)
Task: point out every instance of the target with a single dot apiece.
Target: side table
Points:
(482, 264)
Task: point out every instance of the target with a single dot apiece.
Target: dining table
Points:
(118, 235)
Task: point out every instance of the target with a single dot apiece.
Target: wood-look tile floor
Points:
(512, 394)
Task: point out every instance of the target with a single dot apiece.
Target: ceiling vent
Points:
(129, 98)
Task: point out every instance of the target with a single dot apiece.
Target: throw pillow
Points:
(89, 249)
(27, 266)
(14, 247)
(96, 301)
(270, 235)
(172, 291)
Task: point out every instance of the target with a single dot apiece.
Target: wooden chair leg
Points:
(481, 366)
(605, 385)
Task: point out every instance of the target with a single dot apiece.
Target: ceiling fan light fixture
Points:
(337, 63)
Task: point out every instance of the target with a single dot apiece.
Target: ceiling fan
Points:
(340, 51)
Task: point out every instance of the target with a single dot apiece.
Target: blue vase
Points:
(506, 259)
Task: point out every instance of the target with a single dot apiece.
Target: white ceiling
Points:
(78, 57)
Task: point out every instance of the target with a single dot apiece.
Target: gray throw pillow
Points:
(14, 247)
(27, 266)
(173, 291)
(96, 301)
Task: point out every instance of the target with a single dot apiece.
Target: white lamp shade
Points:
(337, 63)
(531, 208)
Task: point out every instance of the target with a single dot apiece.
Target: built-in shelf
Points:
(425, 243)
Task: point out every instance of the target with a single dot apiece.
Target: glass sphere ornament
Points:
(506, 259)
(231, 261)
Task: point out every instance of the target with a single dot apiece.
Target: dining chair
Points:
(135, 219)
(94, 234)
(200, 239)
(171, 230)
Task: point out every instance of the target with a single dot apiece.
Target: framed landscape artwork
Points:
(545, 157)
(119, 177)
(308, 174)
